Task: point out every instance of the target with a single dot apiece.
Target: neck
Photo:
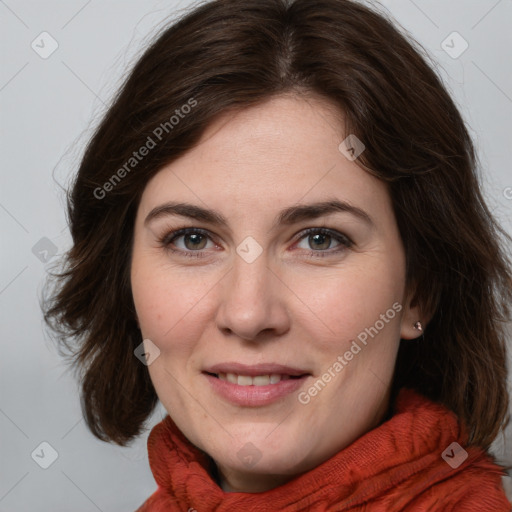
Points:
(235, 481)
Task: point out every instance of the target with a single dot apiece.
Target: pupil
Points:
(322, 237)
(195, 238)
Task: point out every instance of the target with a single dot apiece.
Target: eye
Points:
(192, 244)
(320, 239)
(193, 241)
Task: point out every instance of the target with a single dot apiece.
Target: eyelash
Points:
(168, 238)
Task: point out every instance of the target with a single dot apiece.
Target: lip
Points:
(256, 369)
(255, 396)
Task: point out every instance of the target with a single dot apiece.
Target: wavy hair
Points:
(232, 54)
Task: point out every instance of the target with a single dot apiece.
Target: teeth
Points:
(244, 380)
(258, 380)
(274, 379)
(231, 377)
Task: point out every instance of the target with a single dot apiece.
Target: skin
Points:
(288, 306)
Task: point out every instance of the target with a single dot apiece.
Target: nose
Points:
(252, 301)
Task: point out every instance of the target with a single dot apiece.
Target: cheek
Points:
(342, 303)
(167, 303)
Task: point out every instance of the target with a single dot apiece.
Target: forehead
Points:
(282, 151)
(283, 129)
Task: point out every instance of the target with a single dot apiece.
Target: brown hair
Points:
(231, 54)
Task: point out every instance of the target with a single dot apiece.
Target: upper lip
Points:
(255, 369)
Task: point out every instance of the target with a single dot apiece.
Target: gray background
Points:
(49, 107)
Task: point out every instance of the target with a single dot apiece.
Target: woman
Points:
(279, 233)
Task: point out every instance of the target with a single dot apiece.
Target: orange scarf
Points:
(397, 466)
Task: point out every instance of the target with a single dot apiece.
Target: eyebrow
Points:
(288, 216)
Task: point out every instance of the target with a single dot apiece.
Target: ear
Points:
(413, 313)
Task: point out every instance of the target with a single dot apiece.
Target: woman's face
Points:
(276, 344)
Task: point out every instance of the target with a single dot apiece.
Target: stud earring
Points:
(418, 326)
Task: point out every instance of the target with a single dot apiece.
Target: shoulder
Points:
(477, 487)
(445, 473)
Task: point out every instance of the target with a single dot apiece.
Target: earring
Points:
(418, 326)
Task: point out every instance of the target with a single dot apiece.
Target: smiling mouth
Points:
(264, 387)
(256, 380)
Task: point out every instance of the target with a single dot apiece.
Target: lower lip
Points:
(254, 396)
